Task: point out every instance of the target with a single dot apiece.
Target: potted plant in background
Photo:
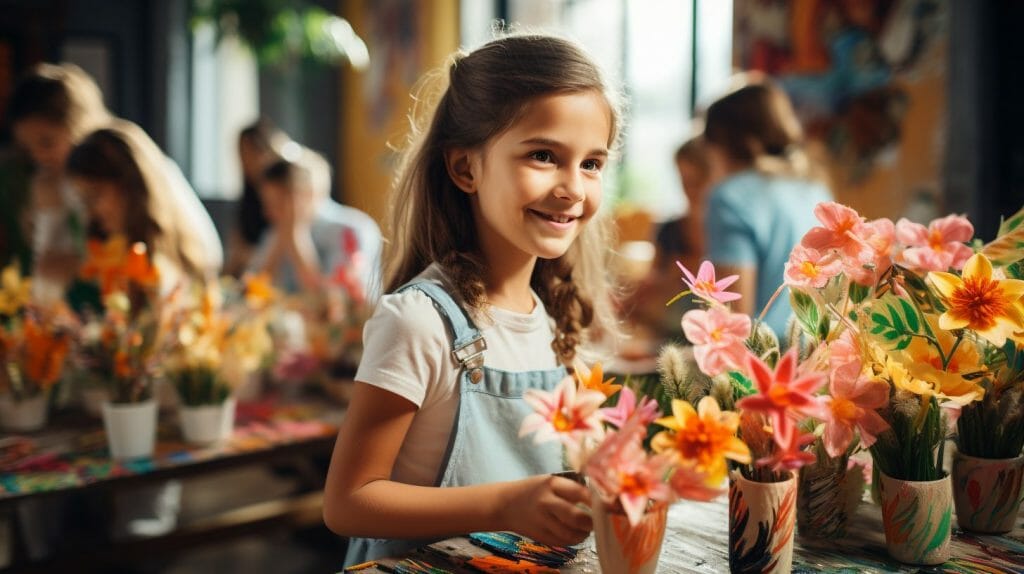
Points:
(120, 344)
(33, 346)
(220, 339)
(632, 485)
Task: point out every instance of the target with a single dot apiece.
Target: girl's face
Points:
(537, 184)
(104, 202)
(47, 142)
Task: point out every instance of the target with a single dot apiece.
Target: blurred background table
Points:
(292, 436)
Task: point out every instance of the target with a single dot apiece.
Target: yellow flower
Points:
(592, 379)
(923, 362)
(977, 301)
(706, 436)
(15, 290)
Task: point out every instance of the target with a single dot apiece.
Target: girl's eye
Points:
(591, 165)
(542, 156)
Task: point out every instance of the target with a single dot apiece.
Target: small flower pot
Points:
(131, 428)
(622, 547)
(916, 517)
(208, 424)
(826, 498)
(26, 415)
(987, 492)
(762, 518)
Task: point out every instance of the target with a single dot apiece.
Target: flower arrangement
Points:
(330, 344)
(685, 458)
(33, 342)
(899, 328)
(220, 337)
(120, 345)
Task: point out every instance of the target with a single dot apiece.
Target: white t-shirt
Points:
(408, 351)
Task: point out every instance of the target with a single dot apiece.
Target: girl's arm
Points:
(361, 500)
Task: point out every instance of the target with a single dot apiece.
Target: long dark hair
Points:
(124, 155)
(482, 94)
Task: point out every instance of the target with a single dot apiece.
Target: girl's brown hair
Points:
(124, 155)
(756, 127)
(60, 93)
(483, 94)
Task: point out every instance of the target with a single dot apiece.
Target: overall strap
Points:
(468, 345)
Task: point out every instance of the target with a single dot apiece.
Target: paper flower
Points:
(718, 337)
(705, 286)
(593, 379)
(811, 268)
(784, 394)
(939, 247)
(646, 411)
(977, 301)
(705, 437)
(564, 414)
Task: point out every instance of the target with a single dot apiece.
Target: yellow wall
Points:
(365, 161)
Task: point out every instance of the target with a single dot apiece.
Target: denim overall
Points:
(485, 445)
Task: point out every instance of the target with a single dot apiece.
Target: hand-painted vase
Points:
(987, 492)
(625, 548)
(826, 497)
(762, 518)
(916, 516)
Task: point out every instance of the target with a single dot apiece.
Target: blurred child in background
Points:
(764, 189)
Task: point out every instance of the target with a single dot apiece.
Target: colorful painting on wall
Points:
(852, 68)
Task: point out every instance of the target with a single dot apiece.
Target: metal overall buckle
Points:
(471, 356)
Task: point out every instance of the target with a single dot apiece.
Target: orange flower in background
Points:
(978, 301)
(592, 379)
(113, 265)
(258, 290)
(706, 436)
(138, 268)
(44, 353)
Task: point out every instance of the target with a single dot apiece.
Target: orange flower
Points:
(592, 379)
(112, 264)
(258, 290)
(44, 354)
(990, 307)
(706, 436)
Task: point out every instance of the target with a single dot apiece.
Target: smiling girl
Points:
(494, 276)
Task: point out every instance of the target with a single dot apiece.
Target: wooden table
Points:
(696, 542)
(69, 458)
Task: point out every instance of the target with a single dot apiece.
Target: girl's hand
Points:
(545, 509)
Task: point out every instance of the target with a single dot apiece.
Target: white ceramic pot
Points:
(25, 415)
(208, 424)
(131, 428)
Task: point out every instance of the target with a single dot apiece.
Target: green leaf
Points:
(880, 319)
(911, 314)
(903, 344)
(858, 292)
(897, 323)
(807, 312)
(741, 385)
(1012, 223)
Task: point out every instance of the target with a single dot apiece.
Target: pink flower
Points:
(783, 395)
(844, 357)
(937, 248)
(646, 411)
(851, 405)
(810, 268)
(718, 337)
(879, 236)
(842, 229)
(706, 287)
(620, 469)
(564, 414)
(789, 453)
